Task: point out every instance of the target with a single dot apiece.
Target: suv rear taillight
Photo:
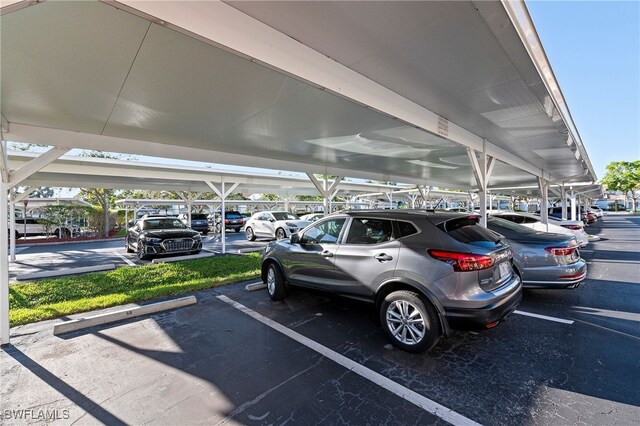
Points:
(561, 251)
(463, 262)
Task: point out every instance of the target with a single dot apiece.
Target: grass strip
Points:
(53, 298)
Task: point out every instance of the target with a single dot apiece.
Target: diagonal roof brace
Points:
(24, 172)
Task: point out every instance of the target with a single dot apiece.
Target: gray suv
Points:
(427, 273)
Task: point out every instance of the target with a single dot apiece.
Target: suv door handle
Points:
(382, 257)
(326, 253)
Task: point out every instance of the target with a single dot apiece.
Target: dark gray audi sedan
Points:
(427, 273)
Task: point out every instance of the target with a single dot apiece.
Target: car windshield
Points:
(284, 216)
(168, 223)
(232, 215)
(198, 216)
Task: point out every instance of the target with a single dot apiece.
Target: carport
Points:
(456, 94)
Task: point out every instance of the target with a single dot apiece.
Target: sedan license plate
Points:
(505, 269)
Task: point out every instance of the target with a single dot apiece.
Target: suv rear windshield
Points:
(198, 216)
(233, 215)
(467, 231)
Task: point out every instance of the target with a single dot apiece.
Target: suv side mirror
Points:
(294, 239)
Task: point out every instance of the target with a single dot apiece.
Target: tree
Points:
(624, 176)
(103, 198)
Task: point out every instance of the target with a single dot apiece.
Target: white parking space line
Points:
(544, 317)
(123, 257)
(209, 250)
(405, 393)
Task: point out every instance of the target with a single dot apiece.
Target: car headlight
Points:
(153, 240)
(197, 237)
(291, 225)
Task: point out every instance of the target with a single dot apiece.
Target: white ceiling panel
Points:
(67, 62)
(92, 68)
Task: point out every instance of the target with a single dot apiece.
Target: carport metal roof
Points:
(384, 90)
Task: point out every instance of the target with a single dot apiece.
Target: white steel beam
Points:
(49, 136)
(223, 26)
(17, 176)
(28, 191)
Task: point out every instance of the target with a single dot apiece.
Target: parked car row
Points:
(428, 273)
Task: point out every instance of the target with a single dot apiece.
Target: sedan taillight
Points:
(573, 227)
(560, 251)
(463, 262)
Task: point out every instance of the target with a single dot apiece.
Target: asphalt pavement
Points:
(568, 357)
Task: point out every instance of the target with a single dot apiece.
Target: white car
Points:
(555, 226)
(274, 225)
(312, 217)
(597, 210)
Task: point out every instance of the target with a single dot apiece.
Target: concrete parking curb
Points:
(250, 250)
(181, 258)
(82, 323)
(62, 272)
(255, 286)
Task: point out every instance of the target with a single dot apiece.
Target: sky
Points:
(594, 50)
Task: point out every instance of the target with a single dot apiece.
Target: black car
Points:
(199, 222)
(153, 236)
(232, 220)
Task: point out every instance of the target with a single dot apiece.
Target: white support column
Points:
(563, 194)
(11, 179)
(412, 199)
(12, 225)
(223, 226)
(4, 265)
(424, 193)
(327, 191)
(223, 193)
(544, 201)
(482, 173)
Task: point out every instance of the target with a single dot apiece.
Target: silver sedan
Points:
(543, 260)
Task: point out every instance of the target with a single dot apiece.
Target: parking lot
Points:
(238, 358)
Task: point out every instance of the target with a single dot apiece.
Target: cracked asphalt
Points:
(212, 364)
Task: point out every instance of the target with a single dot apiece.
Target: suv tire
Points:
(275, 283)
(410, 322)
(280, 234)
(250, 235)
